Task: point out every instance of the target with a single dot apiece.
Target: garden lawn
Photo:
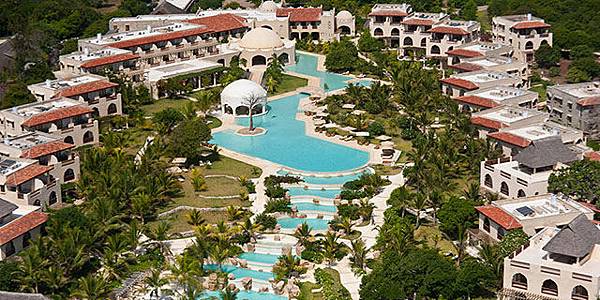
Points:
(289, 83)
(179, 220)
(231, 167)
(434, 238)
(161, 104)
(541, 90)
(221, 186)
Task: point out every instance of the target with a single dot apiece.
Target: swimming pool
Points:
(307, 64)
(240, 273)
(242, 295)
(287, 144)
(300, 191)
(292, 223)
(306, 206)
(264, 258)
(325, 180)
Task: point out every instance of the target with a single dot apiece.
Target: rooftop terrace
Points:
(483, 76)
(509, 114)
(541, 206)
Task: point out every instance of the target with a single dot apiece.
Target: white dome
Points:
(238, 92)
(261, 38)
(344, 15)
(268, 6)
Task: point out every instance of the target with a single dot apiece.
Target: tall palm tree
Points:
(218, 254)
(419, 202)
(366, 209)
(346, 224)
(358, 256)
(303, 234)
(228, 294)
(140, 205)
(472, 192)
(195, 218)
(199, 249)
(401, 198)
(155, 282)
(288, 266)
(91, 288)
(332, 249)
(249, 228)
(235, 213)
(435, 200)
(29, 272)
(184, 270)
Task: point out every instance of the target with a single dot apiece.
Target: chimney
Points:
(529, 17)
(98, 36)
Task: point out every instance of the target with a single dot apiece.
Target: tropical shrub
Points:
(266, 221)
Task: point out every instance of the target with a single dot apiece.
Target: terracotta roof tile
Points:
(476, 100)
(591, 206)
(487, 123)
(302, 14)
(530, 24)
(448, 30)
(466, 67)
(464, 53)
(45, 149)
(589, 101)
(418, 22)
(101, 61)
(21, 225)
(85, 88)
(499, 216)
(389, 13)
(510, 139)
(221, 22)
(26, 173)
(461, 83)
(160, 37)
(57, 114)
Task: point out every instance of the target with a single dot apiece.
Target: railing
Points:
(519, 285)
(549, 291)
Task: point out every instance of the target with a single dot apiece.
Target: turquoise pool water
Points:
(270, 259)
(292, 223)
(300, 191)
(325, 180)
(287, 144)
(241, 272)
(307, 64)
(242, 295)
(304, 206)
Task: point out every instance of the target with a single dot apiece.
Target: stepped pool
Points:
(240, 273)
(242, 295)
(264, 258)
(306, 206)
(300, 191)
(325, 179)
(292, 223)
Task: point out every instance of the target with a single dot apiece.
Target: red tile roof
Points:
(594, 155)
(510, 139)
(57, 114)
(221, 22)
(589, 101)
(160, 37)
(448, 30)
(466, 67)
(21, 225)
(530, 24)
(493, 124)
(101, 61)
(27, 173)
(479, 101)
(388, 13)
(591, 206)
(461, 83)
(302, 14)
(418, 22)
(45, 149)
(499, 216)
(464, 53)
(85, 88)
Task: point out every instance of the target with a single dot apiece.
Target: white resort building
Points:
(559, 262)
(18, 226)
(530, 214)
(478, 49)
(238, 96)
(495, 96)
(507, 116)
(576, 105)
(26, 182)
(525, 33)
(459, 84)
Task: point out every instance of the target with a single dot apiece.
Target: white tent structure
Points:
(238, 96)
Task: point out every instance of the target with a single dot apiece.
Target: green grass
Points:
(232, 167)
(434, 238)
(161, 104)
(306, 291)
(541, 90)
(179, 220)
(214, 122)
(221, 186)
(289, 83)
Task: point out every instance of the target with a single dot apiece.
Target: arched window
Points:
(242, 111)
(529, 45)
(455, 60)
(36, 202)
(486, 224)
(435, 50)
(69, 175)
(69, 140)
(284, 58)
(504, 188)
(112, 109)
(408, 41)
(579, 293)
(378, 32)
(519, 281)
(521, 194)
(88, 137)
(488, 181)
(267, 27)
(344, 30)
(549, 287)
(424, 42)
(52, 198)
(95, 112)
(259, 60)
(395, 32)
(221, 61)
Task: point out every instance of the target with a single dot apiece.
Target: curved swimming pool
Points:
(292, 223)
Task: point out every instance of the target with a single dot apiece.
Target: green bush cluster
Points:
(331, 290)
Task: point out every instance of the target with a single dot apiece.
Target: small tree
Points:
(251, 101)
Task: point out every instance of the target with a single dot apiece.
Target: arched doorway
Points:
(395, 32)
(424, 42)
(241, 111)
(579, 293)
(521, 194)
(549, 287)
(259, 60)
(69, 175)
(95, 112)
(221, 61)
(52, 198)
(69, 140)
(529, 45)
(344, 30)
(228, 109)
(112, 109)
(408, 41)
(88, 137)
(488, 181)
(315, 36)
(486, 224)
(435, 50)
(378, 32)
(504, 188)
(519, 281)
(295, 36)
(284, 58)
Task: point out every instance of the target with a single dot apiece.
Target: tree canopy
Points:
(581, 180)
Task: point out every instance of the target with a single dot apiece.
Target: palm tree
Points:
(235, 213)
(91, 288)
(54, 278)
(288, 266)
(195, 218)
(228, 294)
(184, 271)
(332, 250)
(472, 192)
(199, 249)
(155, 282)
(29, 272)
(419, 202)
(158, 235)
(366, 209)
(358, 258)
(249, 228)
(218, 254)
(401, 198)
(346, 224)
(303, 234)
(435, 200)
(141, 205)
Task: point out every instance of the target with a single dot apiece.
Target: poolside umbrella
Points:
(387, 145)
(348, 106)
(330, 125)
(384, 138)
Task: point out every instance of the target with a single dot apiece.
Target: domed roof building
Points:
(344, 15)
(238, 96)
(345, 24)
(268, 6)
(260, 44)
